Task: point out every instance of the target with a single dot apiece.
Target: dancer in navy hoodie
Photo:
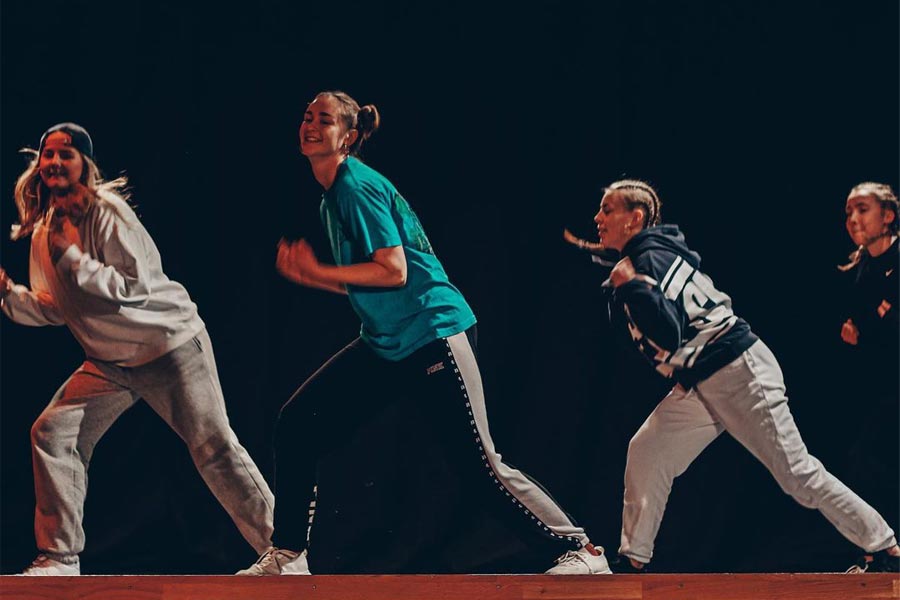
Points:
(724, 379)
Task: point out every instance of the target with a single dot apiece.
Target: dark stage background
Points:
(501, 124)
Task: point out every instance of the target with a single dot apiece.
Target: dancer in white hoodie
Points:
(94, 268)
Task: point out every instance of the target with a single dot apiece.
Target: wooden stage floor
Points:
(825, 586)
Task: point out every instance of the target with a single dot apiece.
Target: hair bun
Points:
(368, 120)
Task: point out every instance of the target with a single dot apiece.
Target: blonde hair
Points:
(887, 199)
(32, 196)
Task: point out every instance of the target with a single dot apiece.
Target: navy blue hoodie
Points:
(679, 321)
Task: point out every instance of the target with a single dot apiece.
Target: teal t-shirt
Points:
(363, 212)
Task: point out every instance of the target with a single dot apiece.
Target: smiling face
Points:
(616, 223)
(60, 164)
(323, 132)
(867, 220)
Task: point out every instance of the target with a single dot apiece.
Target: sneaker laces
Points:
(571, 556)
(266, 557)
(44, 560)
(861, 566)
(271, 556)
(39, 560)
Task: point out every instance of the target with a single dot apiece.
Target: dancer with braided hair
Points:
(724, 379)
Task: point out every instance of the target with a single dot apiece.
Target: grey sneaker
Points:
(278, 561)
(45, 565)
(581, 562)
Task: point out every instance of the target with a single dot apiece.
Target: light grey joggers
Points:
(183, 388)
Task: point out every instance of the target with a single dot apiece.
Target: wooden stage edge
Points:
(824, 586)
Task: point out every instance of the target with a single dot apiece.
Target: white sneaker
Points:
(581, 562)
(278, 561)
(44, 565)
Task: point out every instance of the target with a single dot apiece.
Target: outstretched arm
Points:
(26, 307)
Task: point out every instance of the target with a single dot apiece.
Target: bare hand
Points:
(5, 283)
(849, 333)
(75, 204)
(296, 261)
(622, 273)
(62, 234)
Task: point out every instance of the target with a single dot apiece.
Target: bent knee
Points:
(650, 457)
(43, 431)
(51, 438)
(642, 450)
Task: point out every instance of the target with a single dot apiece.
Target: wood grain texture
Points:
(457, 587)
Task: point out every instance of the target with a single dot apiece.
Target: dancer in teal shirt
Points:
(417, 342)
(363, 212)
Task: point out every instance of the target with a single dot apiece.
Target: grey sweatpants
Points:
(747, 399)
(183, 388)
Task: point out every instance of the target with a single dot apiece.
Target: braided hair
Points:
(639, 194)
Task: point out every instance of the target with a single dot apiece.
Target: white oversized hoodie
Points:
(111, 291)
